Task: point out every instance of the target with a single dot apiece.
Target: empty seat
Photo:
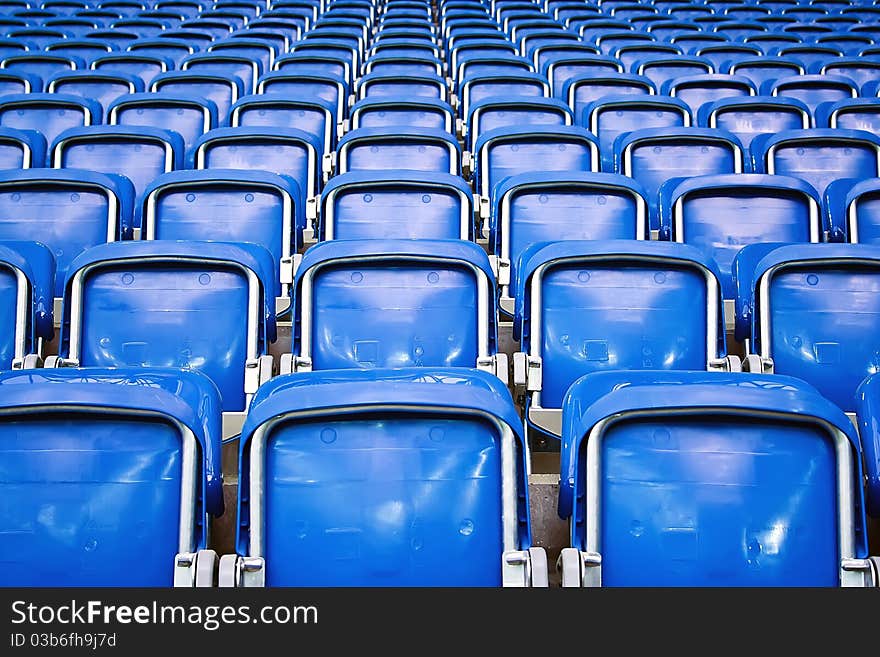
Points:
(222, 90)
(67, 210)
(27, 272)
(761, 70)
(136, 152)
(497, 112)
(662, 68)
(860, 70)
(491, 64)
(284, 151)
(721, 214)
(332, 65)
(85, 49)
(48, 114)
(588, 306)
(146, 67)
(466, 531)
(811, 311)
(188, 116)
(43, 64)
(228, 205)
(312, 115)
(611, 116)
(255, 49)
(812, 90)
(19, 83)
(392, 64)
(748, 117)
(581, 90)
(310, 86)
(653, 156)
(72, 441)
(818, 156)
(724, 54)
(850, 114)
(226, 65)
(405, 110)
(852, 210)
(556, 206)
(560, 70)
(396, 204)
(416, 149)
(101, 87)
(21, 149)
(174, 49)
(867, 423)
(383, 85)
(205, 306)
(475, 89)
(719, 459)
(394, 303)
(697, 90)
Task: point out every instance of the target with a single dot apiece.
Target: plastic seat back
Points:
(581, 90)
(812, 90)
(101, 87)
(416, 149)
(48, 114)
(188, 116)
(749, 117)
(146, 67)
(852, 209)
(223, 90)
(27, 270)
(697, 90)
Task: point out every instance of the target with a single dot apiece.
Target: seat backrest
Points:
(812, 90)
(860, 70)
(102, 87)
(761, 70)
(223, 90)
(146, 67)
(749, 117)
(206, 306)
(722, 55)
(818, 156)
(659, 69)
(48, 114)
(450, 531)
(638, 435)
(852, 210)
(19, 83)
(174, 49)
(76, 454)
(389, 111)
(228, 65)
(383, 85)
(475, 89)
(27, 270)
(511, 111)
(582, 89)
(21, 149)
(813, 309)
(850, 114)
(306, 86)
(561, 69)
(416, 149)
(188, 116)
(697, 90)
(312, 115)
(721, 214)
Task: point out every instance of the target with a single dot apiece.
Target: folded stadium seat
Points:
(48, 114)
(451, 531)
(223, 90)
(765, 70)
(309, 62)
(381, 85)
(248, 9)
(255, 49)
(235, 18)
(560, 70)
(475, 89)
(174, 49)
(42, 64)
(228, 205)
(506, 152)
(352, 44)
(139, 153)
(39, 36)
(631, 53)
(188, 116)
(67, 210)
(871, 89)
(850, 114)
(278, 43)
(119, 39)
(410, 47)
(666, 29)
(392, 64)
(852, 210)
(205, 306)
(102, 87)
(506, 111)
(213, 29)
(63, 7)
(748, 117)
(719, 459)
(21, 149)
(312, 115)
(395, 204)
(394, 303)
(18, 82)
(201, 38)
(558, 206)
(810, 311)
(291, 31)
(582, 89)
(818, 156)
(404, 110)
(866, 409)
(583, 306)
(416, 149)
(225, 65)
(721, 214)
(298, 85)
(27, 270)
(812, 90)
(71, 441)
(122, 8)
(654, 155)
(146, 67)
(611, 116)
(697, 90)
(327, 46)
(661, 68)
(860, 70)
(536, 44)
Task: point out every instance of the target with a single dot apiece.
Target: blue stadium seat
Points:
(491, 64)
(251, 48)
(852, 212)
(71, 441)
(42, 64)
(505, 111)
(39, 36)
(557, 206)
(475, 89)
(48, 114)
(310, 86)
(392, 64)
(721, 214)
(811, 311)
(102, 87)
(27, 270)
(653, 156)
(396, 204)
(228, 205)
(588, 306)
(226, 65)
(188, 116)
(284, 151)
(19, 83)
(383, 85)
(464, 537)
(13, 47)
(631, 441)
(312, 115)
(68, 210)
(812, 90)
(867, 423)
(223, 90)
(871, 89)
(394, 303)
(21, 149)
(553, 57)
(146, 67)
(860, 70)
(174, 49)
(582, 89)
(662, 68)
(810, 55)
(723, 54)
(631, 53)
(611, 116)
(818, 156)
(560, 70)
(205, 306)
(697, 90)
(749, 117)
(145, 28)
(761, 70)
(416, 149)
(309, 62)
(850, 114)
